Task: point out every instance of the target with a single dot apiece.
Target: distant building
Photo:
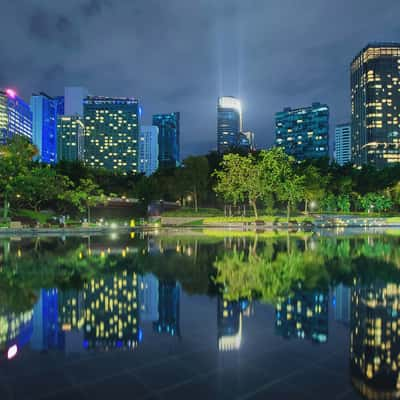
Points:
(45, 110)
(70, 141)
(375, 105)
(112, 133)
(148, 150)
(168, 139)
(73, 100)
(303, 132)
(15, 117)
(246, 141)
(229, 123)
(343, 144)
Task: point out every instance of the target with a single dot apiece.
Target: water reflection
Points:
(77, 295)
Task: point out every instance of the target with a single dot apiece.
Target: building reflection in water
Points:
(46, 333)
(168, 308)
(148, 297)
(375, 339)
(341, 303)
(112, 312)
(304, 315)
(230, 322)
(15, 332)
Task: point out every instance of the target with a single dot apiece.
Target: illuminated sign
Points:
(12, 352)
(11, 93)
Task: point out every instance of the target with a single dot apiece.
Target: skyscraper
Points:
(375, 105)
(343, 144)
(45, 110)
(70, 138)
(148, 149)
(168, 139)
(73, 100)
(303, 132)
(15, 117)
(229, 123)
(112, 133)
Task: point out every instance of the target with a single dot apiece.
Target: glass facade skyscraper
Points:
(70, 138)
(168, 139)
(15, 117)
(343, 144)
(375, 105)
(148, 150)
(303, 132)
(112, 133)
(45, 110)
(229, 124)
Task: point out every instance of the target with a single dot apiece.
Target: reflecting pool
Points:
(201, 315)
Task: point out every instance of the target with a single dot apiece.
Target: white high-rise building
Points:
(73, 100)
(343, 144)
(148, 149)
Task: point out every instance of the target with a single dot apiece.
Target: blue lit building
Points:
(148, 150)
(303, 132)
(45, 111)
(168, 309)
(168, 139)
(15, 117)
(229, 124)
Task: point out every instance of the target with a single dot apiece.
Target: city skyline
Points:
(254, 61)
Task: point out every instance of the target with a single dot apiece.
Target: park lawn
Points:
(190, 212)
(264, 218)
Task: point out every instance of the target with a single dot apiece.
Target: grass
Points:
(190, 212)
(264, 218)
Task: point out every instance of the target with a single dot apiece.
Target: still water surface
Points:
(195, 316)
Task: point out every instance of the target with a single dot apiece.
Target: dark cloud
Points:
(181, 55)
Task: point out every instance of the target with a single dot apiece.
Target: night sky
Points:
(180, 55)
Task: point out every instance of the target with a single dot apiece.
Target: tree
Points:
(195, 175)
(86, 195)
(291, 190)
(15, 160)
(38, 186)
(314, 185)
(231, 179)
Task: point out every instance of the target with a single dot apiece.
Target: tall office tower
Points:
(229, 123)
(111, 133)
(168, 139)
(70, 138)
(303, 132)
(375, 105)
(168, 308)
(148, 150)
(15, 117)
(74, 97)
(343, 144)
(375, 339)
(45, 110)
